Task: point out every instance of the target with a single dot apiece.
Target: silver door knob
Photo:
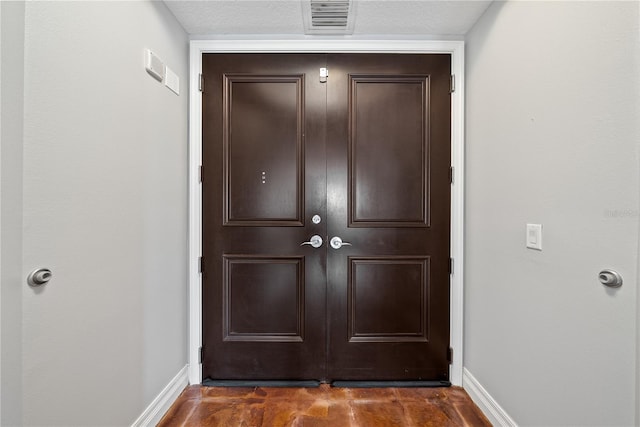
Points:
(39, 277)
(315, 241)
(610, 278)
(336, 243)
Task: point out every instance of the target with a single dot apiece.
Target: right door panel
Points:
(388, 196)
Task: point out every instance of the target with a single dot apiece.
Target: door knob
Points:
(39, 277)
(315, 241)
(336, 243)
(610, 278)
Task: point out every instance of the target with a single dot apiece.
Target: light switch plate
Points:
(534, 236)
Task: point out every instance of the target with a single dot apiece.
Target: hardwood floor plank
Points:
(322, 407)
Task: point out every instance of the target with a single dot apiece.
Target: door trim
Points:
(319, 45)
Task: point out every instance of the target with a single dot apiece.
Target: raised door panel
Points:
(388, 299)
(263, 150)
(389, 126)
(263, 298)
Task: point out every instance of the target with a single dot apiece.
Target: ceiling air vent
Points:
(328, 16)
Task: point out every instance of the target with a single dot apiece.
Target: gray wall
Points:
(553, 138)
(11, 279)
(105, 207)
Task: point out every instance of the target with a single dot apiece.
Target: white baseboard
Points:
(485, 402)
(163, 401)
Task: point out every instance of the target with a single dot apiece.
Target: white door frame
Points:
(198, 47)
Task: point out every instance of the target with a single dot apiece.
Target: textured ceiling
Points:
(284, 17)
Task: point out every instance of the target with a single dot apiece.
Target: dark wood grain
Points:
(264, 177)
(368, 151)
(388, 160)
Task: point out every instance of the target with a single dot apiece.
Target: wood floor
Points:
(323, 406)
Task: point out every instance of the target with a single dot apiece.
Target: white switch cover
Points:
(534, 236)
(172, 81)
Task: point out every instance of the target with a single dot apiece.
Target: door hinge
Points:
(200, 82)
(201, 175)
(201, 354)
(450, 355)
(452, 84)
(450, 265)
(451, 172)
(324, 73)
(201, 265)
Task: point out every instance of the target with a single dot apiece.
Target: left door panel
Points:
(264, 177)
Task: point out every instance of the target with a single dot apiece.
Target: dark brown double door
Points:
(368, 152)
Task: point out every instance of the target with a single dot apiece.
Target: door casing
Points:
(198, 47)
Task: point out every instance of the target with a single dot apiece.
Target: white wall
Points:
(11, 279)
(105, 208)
(553, 138)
